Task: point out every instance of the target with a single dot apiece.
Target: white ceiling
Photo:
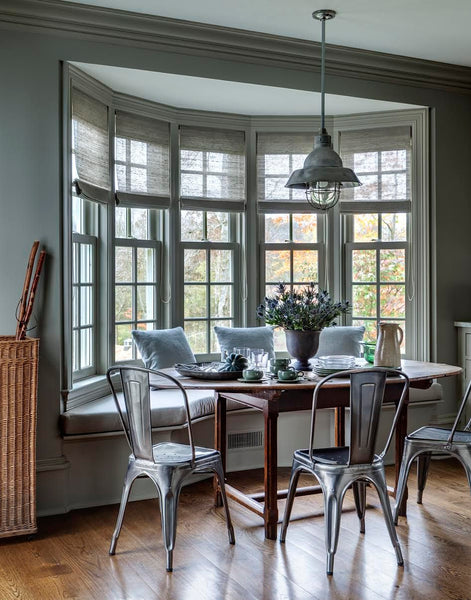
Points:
(431, 29)
(227, 96)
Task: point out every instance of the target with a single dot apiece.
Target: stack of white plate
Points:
(326, 365)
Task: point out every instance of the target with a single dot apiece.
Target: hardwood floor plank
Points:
(68, 558)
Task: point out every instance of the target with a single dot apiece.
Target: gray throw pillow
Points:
(245, 337)
(162, 348)
(340, 340)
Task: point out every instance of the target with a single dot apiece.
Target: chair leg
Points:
(407, 459)
(379, 480)
(293, 482)
(423, 463)
(128, 481)
(333, 498)
(220, 475)
(359, 494)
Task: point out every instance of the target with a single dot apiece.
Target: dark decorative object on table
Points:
(302, 314)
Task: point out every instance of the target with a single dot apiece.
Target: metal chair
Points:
(423, 442)
(167, 464)
(355, 465)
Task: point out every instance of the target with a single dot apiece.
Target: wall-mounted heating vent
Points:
(244, 439)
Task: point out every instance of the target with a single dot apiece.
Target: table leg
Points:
(340, 426)
(270, 472)
(401, 432)
(219, 440)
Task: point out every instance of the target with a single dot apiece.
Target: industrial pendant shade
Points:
(323, 174)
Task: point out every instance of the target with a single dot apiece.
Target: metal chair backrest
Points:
(367, 387)
(459, 414)
(135, 415)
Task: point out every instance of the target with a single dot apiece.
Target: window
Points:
(90, 171)
(212, 172)
(377, 243)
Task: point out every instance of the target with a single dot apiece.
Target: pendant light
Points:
(323, 174)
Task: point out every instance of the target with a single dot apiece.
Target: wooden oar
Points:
(24, 295)
(32, 294)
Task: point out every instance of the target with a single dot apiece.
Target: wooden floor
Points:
(69, 557)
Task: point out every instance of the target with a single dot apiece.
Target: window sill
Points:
(87, 390)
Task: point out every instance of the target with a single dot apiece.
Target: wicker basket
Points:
(18, 390)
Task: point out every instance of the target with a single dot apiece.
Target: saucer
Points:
(242, 380)
(298, 380)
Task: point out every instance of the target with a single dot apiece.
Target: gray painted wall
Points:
(30, 183)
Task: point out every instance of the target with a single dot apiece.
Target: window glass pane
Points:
(145, 302)
(75, 263)
(370, 329)
(215, 185)
(197, 334)
(393, 265)
(369, 188)
(123, 264)
(191, 160)
(394, 227)
(139, 229)
(145, 264)
(120, 177)
(75, 306)
(364, 300)
(363, 265)
(123, 303)
(276, 164)
(221, 301)
(138, 152)
(393, 301)
(277, 266)
(275, 188)
(120, 148)
(215, 161)
(305, 266)
(191, 184)
(365, 161)
(86, 306)
(195, 301)
(297, 162)
(276, 228)
(86, 254)
(365, 227)
(218, 226)
(305, 228)
(75, 350)
(192, 225)
(120, 222)
(139, 179)
(123, 342)
(214, 344)
(221, 265)
(393, 186)
(195, 265)
(394, 160)
(77, 226)
(86, 355)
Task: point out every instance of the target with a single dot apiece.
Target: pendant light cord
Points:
(323, 77)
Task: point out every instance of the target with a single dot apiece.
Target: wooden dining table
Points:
(272, 398)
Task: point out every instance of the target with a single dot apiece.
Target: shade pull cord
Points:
(410, 285)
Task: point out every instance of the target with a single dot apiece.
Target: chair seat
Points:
(437, 434)
(172, 454)
(328, 456)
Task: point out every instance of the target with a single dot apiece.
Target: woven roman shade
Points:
(142, 161)
(212, 169)
(278, 155)
(90, 143)
(381, 159)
